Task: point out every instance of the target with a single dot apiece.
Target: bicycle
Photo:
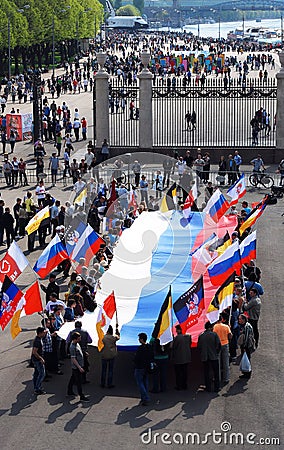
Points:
(261, 178)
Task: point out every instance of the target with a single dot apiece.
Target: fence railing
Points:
(127, 176)
(222, 109)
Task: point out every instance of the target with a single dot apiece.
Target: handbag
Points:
(245, 365)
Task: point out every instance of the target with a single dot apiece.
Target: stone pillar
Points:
(280, 105)
(102, 103)
(145, 104)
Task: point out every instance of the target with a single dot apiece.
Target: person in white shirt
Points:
(180, 165)
(40, 192)
(79, 185)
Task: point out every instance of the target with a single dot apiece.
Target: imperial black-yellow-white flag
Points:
(163, 326)
(170, 199)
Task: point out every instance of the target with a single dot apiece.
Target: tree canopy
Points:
(128, 10)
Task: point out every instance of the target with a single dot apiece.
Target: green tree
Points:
(128, 10)
(139, 4)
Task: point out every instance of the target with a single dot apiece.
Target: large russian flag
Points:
(248, 248)
(216, 206)
(51, 256)
(223, 266)
(87, 246)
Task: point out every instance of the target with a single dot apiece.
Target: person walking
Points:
(209, 346)
(108, 354)
(181, 355)
(38, 361)
(53, 165)
(77, 362)
(143, 357)
(85, 340)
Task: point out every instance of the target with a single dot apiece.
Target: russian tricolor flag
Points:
(51, 256)
(87, 246)
(216, 206)
(223, 266)
(248, 248)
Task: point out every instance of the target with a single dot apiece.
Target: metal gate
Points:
(124, 130)
(223, 113)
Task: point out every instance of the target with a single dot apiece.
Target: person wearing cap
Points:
(52, 287)
(181, 357)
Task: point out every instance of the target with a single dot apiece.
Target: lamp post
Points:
(281, 30)
(9, 49)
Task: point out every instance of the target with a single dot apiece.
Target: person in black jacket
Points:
(8, 225)
(51, 287)
(143, 357)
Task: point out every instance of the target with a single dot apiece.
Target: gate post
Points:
(145, 104)
(102, 103)
(280, 105)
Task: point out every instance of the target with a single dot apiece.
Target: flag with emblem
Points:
(237, 190)
(10, 295)
(13, 263)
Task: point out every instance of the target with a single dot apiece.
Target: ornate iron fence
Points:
(224, 113)
(124, 130)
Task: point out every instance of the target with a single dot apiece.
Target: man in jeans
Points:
(77, 363)
(38, 361)
(224, 332)
(142, 360)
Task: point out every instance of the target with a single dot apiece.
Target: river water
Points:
(212, 29)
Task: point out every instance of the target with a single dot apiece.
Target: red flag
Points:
(33, 300)
(13, 263)
(109, 305)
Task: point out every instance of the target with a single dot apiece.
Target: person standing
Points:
(84, 128)
(53, 165)
(144, 189)
(105, 150)
(77, 362)
(181, 357)
(85, 340)
(253, 307)
(209, 345)
(238, 161)
(40, 192)
(224, 332)
(246, 340)
(38, 361)
(143, 357)
(108, 354)
(8, 225)
(12, 140)
(51, 288)
(136, 167)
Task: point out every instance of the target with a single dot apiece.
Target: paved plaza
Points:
(114, 419)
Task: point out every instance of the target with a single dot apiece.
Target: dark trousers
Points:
(76, 378)
(254, 324)
(51, 361)
(160, 376)
(137, 179)
(107, 372)
(10, 236)
(211, 364)
(181, 376)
